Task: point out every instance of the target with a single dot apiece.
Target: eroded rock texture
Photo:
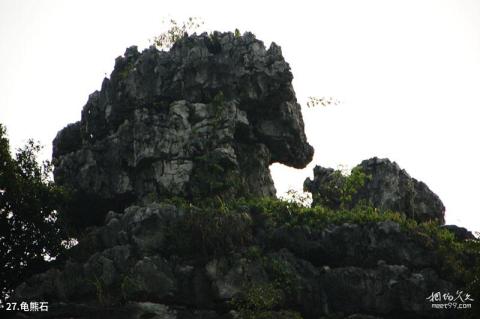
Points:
(165, 261)
(386, 187)
(206, 118)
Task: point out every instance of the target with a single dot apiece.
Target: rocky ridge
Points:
(153, 260)
(174, 199)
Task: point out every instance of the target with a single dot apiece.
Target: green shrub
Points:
(210, 231)
(176, 31)
(213, 177)
(281, 273)
(338, 190)
(261, 301)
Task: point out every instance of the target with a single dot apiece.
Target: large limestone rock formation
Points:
(206, 118)
(386, 187)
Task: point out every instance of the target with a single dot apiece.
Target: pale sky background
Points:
(407, 73)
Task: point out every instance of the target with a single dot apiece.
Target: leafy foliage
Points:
(257, 300)
(214, 176)
(260, 301)
(210, 230)
(29, 203)
(339, 190)
(281, 273)
(302, 199)
(176, 31)
(321, 101)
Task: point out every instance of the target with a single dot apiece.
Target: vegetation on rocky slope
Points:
(274, 235)
(176, 216)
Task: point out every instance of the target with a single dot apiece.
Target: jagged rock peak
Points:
(386, 186)
(205, 118)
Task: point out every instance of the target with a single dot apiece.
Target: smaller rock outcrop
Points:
(460, 233)
(379, 182)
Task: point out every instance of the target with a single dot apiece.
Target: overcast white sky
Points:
(407, 73)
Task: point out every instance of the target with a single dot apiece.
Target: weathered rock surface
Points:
(204, 121)
(140, 262)
(387, 187)
(357, 245)
(206, 118)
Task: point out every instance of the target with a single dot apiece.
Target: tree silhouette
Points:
(29, 202)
